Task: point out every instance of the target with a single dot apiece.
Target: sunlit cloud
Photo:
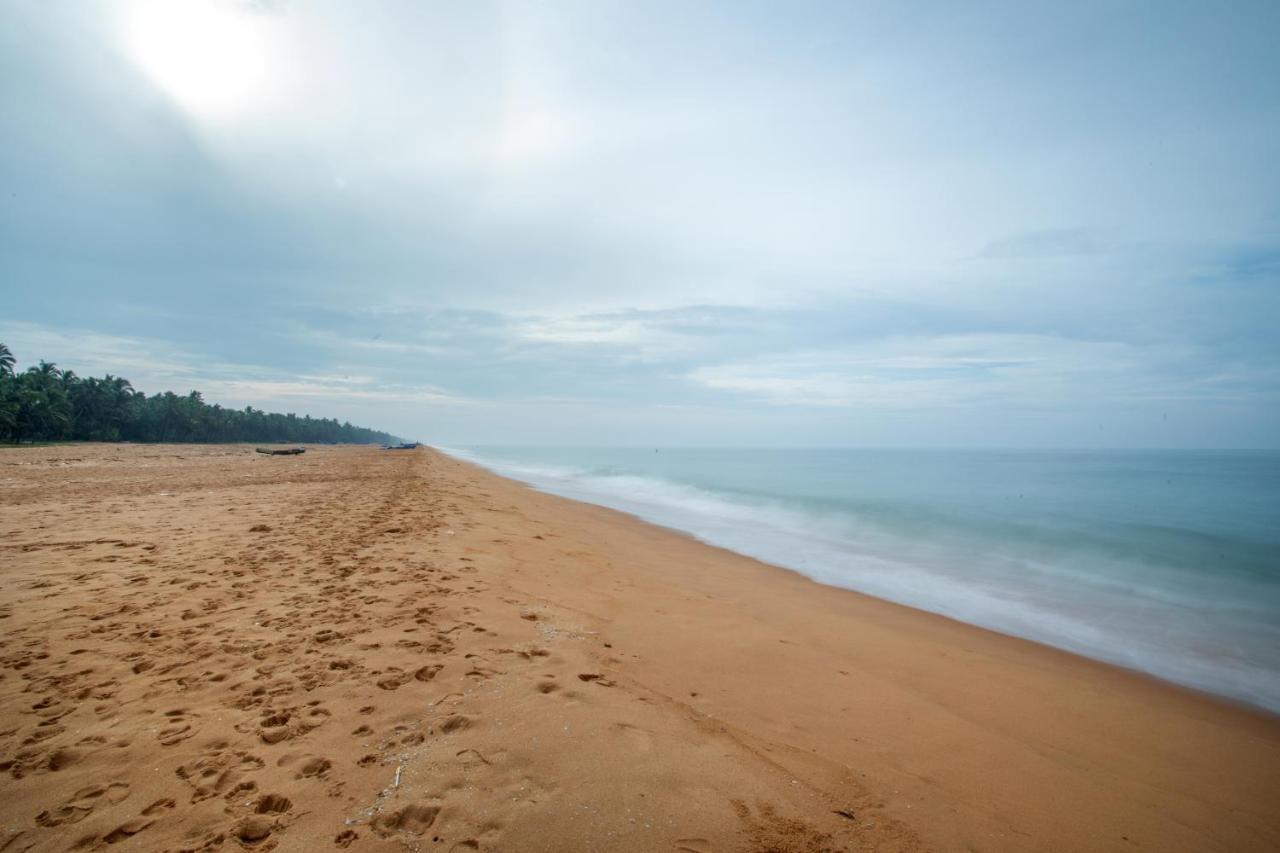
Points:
(217, 59)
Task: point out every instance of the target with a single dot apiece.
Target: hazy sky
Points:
(1018, 224)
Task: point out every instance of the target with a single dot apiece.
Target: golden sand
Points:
(204, 648)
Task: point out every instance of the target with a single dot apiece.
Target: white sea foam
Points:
(1104, 612)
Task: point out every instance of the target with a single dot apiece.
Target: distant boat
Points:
(408, 445)
(281, 451)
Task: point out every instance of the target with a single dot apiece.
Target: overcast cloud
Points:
(1021, 224)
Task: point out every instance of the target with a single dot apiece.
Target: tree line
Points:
(44, 403)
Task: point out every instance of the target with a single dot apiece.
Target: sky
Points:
(904, 224)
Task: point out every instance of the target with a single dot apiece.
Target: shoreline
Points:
(416, 648)
(1030, 637)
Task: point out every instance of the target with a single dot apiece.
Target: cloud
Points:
(324, 390)
(91, 353)
(668, 335)
(965, 370)
(709, 208)
(154, 365)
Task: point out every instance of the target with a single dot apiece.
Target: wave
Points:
(1074, 592)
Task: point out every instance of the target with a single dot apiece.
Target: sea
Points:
(1166, 562)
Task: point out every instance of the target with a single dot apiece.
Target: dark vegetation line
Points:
(44, 403)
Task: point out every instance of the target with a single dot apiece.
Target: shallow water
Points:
(1164, 561)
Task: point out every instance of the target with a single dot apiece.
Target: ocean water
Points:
(1166, 562)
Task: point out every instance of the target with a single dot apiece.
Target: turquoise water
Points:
(1166, 562)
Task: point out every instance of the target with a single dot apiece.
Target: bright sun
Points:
(213, 57)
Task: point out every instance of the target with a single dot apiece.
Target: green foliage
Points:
(44, 403)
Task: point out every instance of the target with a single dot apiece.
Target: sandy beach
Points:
(203, 648)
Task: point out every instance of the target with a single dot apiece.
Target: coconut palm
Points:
(44, 402)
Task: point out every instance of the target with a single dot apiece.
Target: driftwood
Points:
(284, 451)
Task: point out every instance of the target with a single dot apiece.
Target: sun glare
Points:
(212, 57)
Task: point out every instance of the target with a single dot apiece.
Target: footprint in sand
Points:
(393, 682)
(161, 805)
(274, 735)
(274, 727)
(178, 730)
(126, 830)
(314, 768)
(595, 677)
(43, 733)
(412, 819)
(63, 758)
(472, 758)
(251, 831)
(428, 672)
(217, 773)
(82, 803)
(693, 845)
(272, 804)
(456, 723)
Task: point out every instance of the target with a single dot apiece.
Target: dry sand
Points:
(204, 648)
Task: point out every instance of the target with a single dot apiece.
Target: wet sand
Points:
(203, 648)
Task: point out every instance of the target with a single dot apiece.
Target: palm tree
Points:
(8, 406)
(44, 402)
(44, 411)
(47, 372)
